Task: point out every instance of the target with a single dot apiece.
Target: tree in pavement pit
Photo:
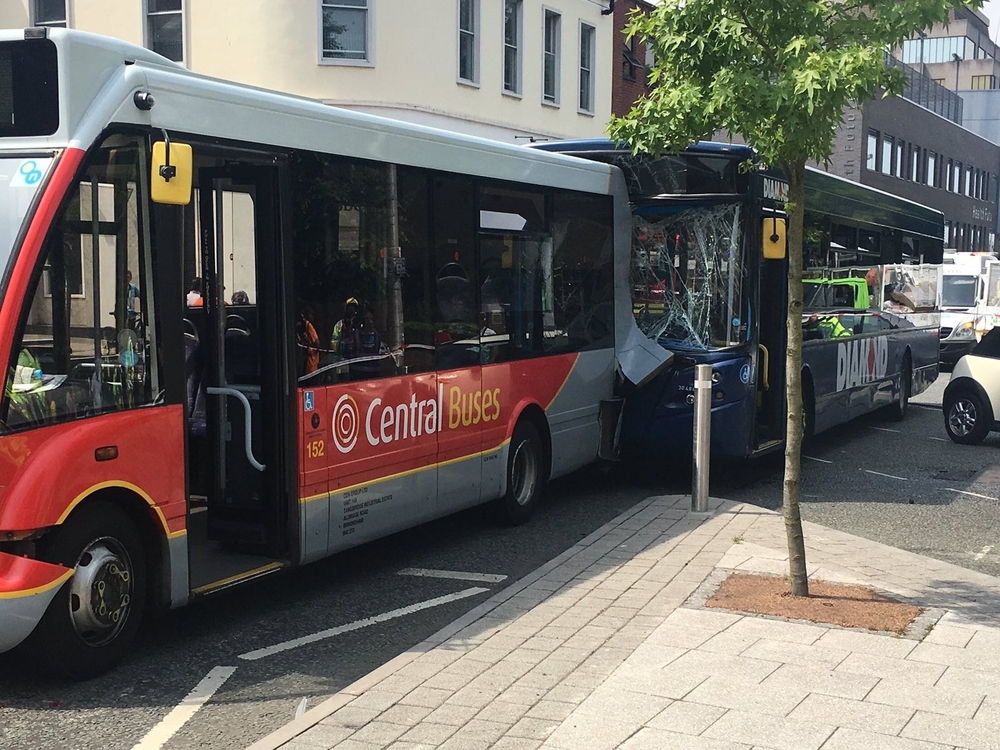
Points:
(779, 73)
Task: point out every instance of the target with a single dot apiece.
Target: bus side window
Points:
(85, 346)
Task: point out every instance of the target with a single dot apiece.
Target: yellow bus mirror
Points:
(773, 230)
(171, 173)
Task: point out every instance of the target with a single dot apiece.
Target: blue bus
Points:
(704, 287)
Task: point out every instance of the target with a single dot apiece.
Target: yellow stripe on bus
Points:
(238, 577)
(37, 589)
(399, 475)
(127, 486)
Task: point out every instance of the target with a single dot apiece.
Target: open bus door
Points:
(239, 242)
(772, 303)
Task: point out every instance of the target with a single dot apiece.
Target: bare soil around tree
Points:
(831, 603)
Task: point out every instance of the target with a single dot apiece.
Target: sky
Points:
(992, 10)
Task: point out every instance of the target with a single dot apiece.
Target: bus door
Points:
(239, 244)
(772, 302)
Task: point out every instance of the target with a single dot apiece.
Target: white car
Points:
(972, 398)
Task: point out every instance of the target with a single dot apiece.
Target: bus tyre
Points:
(92, 621)
(525, 475)
(897, 411)
(967, 419)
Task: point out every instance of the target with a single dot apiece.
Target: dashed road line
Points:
(887, 476)
(884, 429)
(971, 494)
(305, 640)
(455, 575)
(159, 735)
(940, 440)
(819, 460)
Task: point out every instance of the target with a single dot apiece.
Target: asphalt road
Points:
(914, 501)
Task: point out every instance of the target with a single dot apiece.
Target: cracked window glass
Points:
(688, 278)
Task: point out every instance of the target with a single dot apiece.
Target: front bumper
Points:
(952, 351)
(26, 589)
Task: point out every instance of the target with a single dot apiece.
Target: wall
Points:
(275, 44)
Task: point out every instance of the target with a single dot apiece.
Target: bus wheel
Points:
(525, 475)
(898, 409)
(92, 621)
(966, 418)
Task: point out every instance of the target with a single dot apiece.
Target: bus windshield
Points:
(959, 291)
(688, 277)
(20, 179)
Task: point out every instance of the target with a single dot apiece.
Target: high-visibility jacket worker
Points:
(340, 339)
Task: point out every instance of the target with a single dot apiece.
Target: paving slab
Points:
(608, 646)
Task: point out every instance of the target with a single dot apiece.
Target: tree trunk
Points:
(796, 172)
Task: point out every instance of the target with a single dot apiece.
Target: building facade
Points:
(500, 69)
(630, 61)
(905, 149)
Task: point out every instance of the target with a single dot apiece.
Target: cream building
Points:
(501, 69)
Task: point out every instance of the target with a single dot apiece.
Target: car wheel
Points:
(93, 619)
(897, 411)
(967, 418)
(525, 475)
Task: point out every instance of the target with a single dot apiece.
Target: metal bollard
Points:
(702, 437)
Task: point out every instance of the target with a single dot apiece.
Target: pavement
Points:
(608, 646)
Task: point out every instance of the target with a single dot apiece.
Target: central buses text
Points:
(409, 420)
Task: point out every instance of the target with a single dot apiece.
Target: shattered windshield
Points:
(688, 276)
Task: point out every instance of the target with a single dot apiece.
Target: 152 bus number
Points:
(315, 448)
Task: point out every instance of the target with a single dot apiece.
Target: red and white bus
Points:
(246, 331)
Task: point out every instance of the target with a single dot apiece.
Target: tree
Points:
(779, 73)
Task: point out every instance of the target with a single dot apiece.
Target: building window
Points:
(949, 180)
(887, 149)
(512, 46)
(165, 28)
(900, 162)
(914, 162)
(871, 157)
(986, 186)
(931, 168)
(983, 82)
(968, 181)
(587, 36)
(550, 57)
(51, 13)
(958, 177)
(346, 30)
(468, 41)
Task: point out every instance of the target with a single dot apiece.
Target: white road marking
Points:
(941, 440)
(820, 460)
(972, 494)
(302, 707)
(170, 724)
(456, 575)
(985, 551)
(262, 653)
(883, 429)
(888, 476)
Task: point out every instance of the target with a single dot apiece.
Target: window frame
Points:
(518, 47)
(556, 55)
(475, 34)
(369, 59)
(591, 83)
(873, 150)
(33, 17)
(146, 37)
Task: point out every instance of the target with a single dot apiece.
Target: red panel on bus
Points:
(374, 429)
(47, 471)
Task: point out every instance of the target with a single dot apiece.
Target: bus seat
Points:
(241, 359)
